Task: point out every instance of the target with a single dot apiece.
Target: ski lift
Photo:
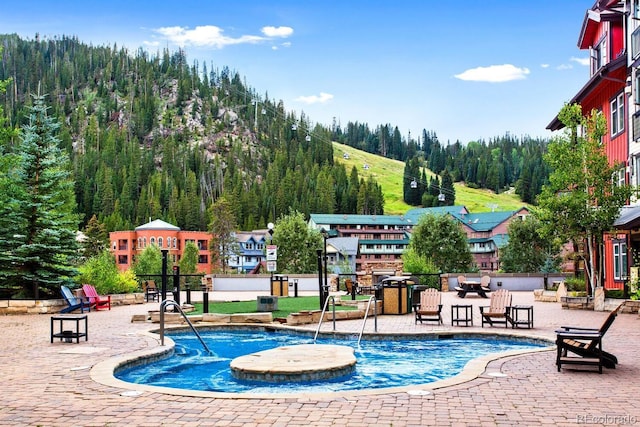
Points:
(441, 197)
(264, 111)
(294, 127)
(414, 184)
(308, 138)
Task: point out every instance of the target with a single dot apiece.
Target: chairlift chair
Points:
(414, 184)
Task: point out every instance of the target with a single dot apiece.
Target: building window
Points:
(152, 241)
(619, 259)
(175, 243)
(122, 260)
(203, 259)
(617, 114)
(144, 242)
(160, 242)
(618, 177)
(599, 56)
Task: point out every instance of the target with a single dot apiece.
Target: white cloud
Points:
(315, 99)
(581, 61)
(213, 36)
(151, 44)
(277, 31)
(494, 74)
(564, 67)
(544, 65)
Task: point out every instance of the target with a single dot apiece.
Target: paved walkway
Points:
(46, 384)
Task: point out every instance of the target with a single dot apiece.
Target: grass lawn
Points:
(286, 306)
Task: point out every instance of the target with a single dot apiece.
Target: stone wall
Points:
(55, 305)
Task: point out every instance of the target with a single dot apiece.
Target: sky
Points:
(464, 70)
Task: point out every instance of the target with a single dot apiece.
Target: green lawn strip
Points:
(286, 306)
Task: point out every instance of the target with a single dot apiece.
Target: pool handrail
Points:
(163, 305)
(324, 309)
(375, 315)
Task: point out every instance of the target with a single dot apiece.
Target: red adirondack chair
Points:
(97, 301)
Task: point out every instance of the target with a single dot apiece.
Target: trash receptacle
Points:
(280, 285)
(394, 297)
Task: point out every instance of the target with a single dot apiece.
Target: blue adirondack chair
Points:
(74, 303)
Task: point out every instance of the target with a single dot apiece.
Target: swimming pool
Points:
(382, 362)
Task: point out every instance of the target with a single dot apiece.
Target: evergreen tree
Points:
(47, 209)
(223, 224)
(96, 238)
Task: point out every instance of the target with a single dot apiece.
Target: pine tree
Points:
(47, 208)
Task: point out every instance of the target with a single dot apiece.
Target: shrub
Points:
(575, 284)
(102, 272)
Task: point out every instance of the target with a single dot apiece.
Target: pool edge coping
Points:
(103, 372)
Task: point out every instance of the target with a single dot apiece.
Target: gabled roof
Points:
(416, 213)
(246, 236)
(629, 218)
(157, 224)
(590, 86)
(347, 245)
(482, 221)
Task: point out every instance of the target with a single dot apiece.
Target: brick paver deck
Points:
(45, 384)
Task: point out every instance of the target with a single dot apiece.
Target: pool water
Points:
(381, 363)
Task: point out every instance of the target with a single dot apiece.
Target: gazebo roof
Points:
(157, 224)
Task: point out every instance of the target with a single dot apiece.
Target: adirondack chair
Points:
(151, 291)
(586, 344)
(430, 306)
(498, 310)
(73, 303)
(98, 302)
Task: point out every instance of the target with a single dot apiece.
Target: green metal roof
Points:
(340, 219)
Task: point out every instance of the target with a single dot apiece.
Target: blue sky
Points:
(466, 70)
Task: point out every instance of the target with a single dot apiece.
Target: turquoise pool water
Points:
(381, 363)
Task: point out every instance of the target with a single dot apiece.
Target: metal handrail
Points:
(375, 315)
(166, 302)
(324, 309)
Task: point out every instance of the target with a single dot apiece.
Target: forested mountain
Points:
(154, 136)
(496, 165)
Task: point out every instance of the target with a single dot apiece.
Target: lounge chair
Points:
(98, 302)
(150, 291)
(585, 344)
(498, 310)
(73, 303)
(352, 288)
(430, 307)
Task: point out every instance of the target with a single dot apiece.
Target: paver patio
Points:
(46, 384)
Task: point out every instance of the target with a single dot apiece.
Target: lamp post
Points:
(325, 235)
(321, 292)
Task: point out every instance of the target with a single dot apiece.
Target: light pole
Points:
(325, 235)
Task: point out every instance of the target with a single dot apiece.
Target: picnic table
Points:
(472, 286)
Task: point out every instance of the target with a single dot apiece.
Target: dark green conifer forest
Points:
(153, 135)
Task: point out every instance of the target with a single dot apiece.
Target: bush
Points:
(102, 272)
(615, 293)
(575, 284)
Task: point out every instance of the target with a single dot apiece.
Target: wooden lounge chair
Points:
(73, 303)
(98, 302)
(151, 292)
(498, 310)
(430, 307)
(585, 344)
(352, 288)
